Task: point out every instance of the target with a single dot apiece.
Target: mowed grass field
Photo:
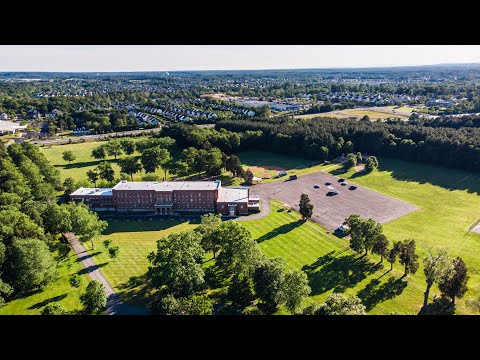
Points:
(357, 113)
(84, 161)
(136, 239)
(258, 160)
(59, 291)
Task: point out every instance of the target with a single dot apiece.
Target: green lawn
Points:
(84, 162)
(293, 165)
(59, 291)
(136, 239)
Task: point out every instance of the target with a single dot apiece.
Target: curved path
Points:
(264, 210)
(115, 306)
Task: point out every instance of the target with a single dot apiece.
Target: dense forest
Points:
(325, 138)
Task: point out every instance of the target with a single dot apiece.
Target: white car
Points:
(343, 228)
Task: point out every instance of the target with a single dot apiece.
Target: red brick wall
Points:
(238, 209)
(195, 200)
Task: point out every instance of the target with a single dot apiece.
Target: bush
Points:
(113, 251)
(107, 243)
(64, 250)
(53, 309)
(252, 310)
(75, 281)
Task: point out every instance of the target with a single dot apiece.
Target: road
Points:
(94, 137)
(115, 306)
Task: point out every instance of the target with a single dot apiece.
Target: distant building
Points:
(168, 197)
(33, 114)
(9, 127)
(3, 116)
(54, 113)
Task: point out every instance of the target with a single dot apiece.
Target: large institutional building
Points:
(167, 197)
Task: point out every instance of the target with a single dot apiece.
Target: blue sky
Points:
(224, 57)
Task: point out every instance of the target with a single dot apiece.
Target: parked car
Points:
(293, 177)
(343, 183)
(328, 183)
(333, 193)
(343, 228)
(341, 180)
(352, 187)
(316, 186)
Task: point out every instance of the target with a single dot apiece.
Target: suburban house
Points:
(33, 114)
(168, 197)
(3, 116)
(54, 113)
(7, 127)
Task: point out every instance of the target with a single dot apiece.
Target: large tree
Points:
(363, 233)
(177, 263)
(128, 146)
(454, 284)
(194, 305)
(154, 158)
(30, 265)
(114, 148)
(105, 171)
(56, 219)
(95, 297)
(408, 257)
(380, 246)
(436, 267)
(93, 176)
(69, 186)
(393, 253)
(248, 176)
(294, 290)
(268, 281)
(69, 156)
(371, 164)
(306, 209)
(99, 152)
(209, 224)
(341, 304)
(240, 290)
(351, 161)
(130, 166)
(16, 225)
(232, 164)
(85, 223)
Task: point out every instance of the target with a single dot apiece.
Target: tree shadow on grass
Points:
(48, 301)
(439, 306)
(374, 293)
(280, 230)
(339, 171)
(87, 256)
(358, 174)
(337, 273)
(137, 292)
(91, 268)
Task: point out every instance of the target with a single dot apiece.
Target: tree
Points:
(239, 252)
(69, 156)
(5, 291)
(95, 297)
(359, 157)
(177, 263)
(16, 225)
(365, 118)
(392, 254)
(154, 158)
(363, 233)
(306, 209)
(295, 289)
(213, 162)
(248, 176)
(371, 164)
(341, 304)
(268, 280)
(99, 152)
(324, 153)
(85, 223)
(454, 284)
(232, 164)
(105, 171)
(128, 146)
(53, 309)
(30, 265)
(130, 166)
(107, 243)
(240, 290)
(56, 219)
(407, 256)
(209, 223)
(75, 281)
(380, 246)
(348, 147)
(69, 187)
(114, 148)
(113, 251)
(93, 176)
(351, 161)
(194, 305)
(436, 268)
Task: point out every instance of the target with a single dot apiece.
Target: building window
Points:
(223, 206)
(241, 206)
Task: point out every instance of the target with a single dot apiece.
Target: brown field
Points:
(331, 211)
(359, 168)
(266, 171)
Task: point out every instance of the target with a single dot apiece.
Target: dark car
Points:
(333, 193)
(316, 186)
(293, 177)
(328, 183)
(341, 180)
(344, 183)
(352, 187)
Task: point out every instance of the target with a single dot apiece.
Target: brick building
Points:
(167, 197)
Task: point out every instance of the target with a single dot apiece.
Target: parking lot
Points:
(331, 211)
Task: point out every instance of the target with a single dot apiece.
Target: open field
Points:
(262, 162)
(59, 291)
(331, 211)
(136, 239)
(84, 162)
(374, 113)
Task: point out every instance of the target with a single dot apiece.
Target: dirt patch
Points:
(359, 168)
(265, 172)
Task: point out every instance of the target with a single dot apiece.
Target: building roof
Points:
(167, 185)
(233, 195)
(93, 191)
(10, 125)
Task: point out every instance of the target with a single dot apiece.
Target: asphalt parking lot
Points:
(331, 211)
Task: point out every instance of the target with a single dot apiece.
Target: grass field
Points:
(357, 113)
(136, 239)
(84, 162)
(257, 159)
(59, 291)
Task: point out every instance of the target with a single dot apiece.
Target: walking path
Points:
(264, 211)
(115, 306)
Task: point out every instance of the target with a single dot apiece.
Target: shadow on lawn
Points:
(91, 268)
(156, 224)
(137, 291)
(337, 273)
(48, 301)
(280, 230)
(375, 293)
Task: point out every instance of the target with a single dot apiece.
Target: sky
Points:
(99, 58)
